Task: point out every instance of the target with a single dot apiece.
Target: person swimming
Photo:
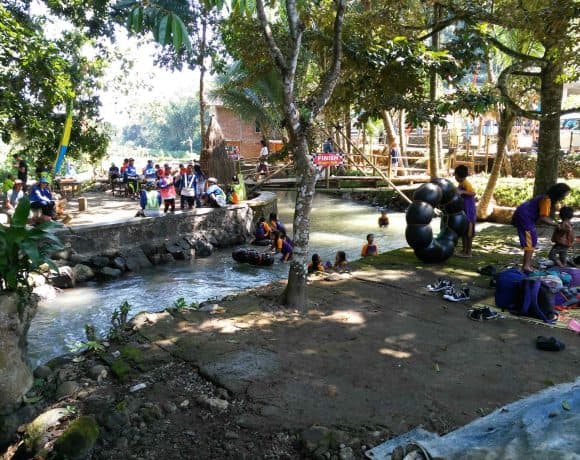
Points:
(383, 219)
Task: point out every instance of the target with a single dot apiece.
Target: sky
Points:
(161, 84)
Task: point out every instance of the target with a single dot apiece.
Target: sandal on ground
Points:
(482, 314)
(549, 344)
(488, 270)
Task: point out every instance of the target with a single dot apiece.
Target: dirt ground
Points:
(375, 356)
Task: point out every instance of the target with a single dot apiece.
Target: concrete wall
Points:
(222, 227)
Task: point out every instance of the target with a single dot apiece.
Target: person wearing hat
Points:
(13, 196)
(41, 198)
(214, 196)
(150, 201)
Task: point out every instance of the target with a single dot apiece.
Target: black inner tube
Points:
(442, 194)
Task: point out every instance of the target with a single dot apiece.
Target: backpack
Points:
(507, 288)
(536, 300)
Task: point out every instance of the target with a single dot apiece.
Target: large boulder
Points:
(136, 260)
(83, 273)
(64, 279)
(78, 440)
(99, 261)
(203, 248)
(15, 375)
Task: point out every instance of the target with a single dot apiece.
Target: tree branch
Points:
(296, 36)
(331, 77)
(572, 110)
(438, 27)
(515, 54)
(279, 58)
(502, 84)
(522, 73)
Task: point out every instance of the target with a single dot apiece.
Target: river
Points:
(335, 225)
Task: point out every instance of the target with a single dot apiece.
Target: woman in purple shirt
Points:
(537, 209)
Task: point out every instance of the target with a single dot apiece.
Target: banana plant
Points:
(24, 249)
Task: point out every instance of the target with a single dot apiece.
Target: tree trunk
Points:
(549, 141)
(506, 122)
(403, 139)
(348, 126)
(215, 160)
(433, 92)
(202, 105)
(389, 126)
(295, 295)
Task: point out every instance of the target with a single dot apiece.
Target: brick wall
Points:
(239, 132)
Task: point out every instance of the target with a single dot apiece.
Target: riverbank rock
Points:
(136, 259)
(99, 261)
(15, 375)
(109, 272)
(42, 372)
(119, 262)
(83, 273)
(78, 439)
(98, 372)
(203, 248)
(45, 292)
(36, 432)
(76, 259)
(66, 389)
(64, 279)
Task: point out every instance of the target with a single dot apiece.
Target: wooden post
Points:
(380, 173)
(83, 206)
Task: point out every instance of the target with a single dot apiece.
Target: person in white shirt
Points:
(13, 196)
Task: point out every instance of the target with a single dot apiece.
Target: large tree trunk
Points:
(295, 295)
(403, 138)
(389, 126)
(549, 141)
(506, 122)
(202, 81)
(433, 93)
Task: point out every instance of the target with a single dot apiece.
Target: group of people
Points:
(163, 185)
(535, 210)
(15, 187)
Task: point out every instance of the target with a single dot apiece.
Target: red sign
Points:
(327, 159)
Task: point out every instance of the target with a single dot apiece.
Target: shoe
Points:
(488, 314)
(440, 285)
(475, 314)
(549, 344)
(457, 296)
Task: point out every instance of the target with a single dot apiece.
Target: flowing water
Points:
(336, 225)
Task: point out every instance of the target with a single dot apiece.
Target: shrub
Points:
(524, 165)
(23, 249)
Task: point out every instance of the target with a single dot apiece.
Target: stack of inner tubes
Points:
(442, 194)
(252, 257)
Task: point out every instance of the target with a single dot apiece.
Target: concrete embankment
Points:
(106, 250)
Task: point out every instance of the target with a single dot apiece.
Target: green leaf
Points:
(20, 217)
(164, 28)
(184, 35)
(177, 33)
(136, 18)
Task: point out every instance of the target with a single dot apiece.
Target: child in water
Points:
(467, 192)
(384, 219)
(370, 249)
(340, 263)
(315, 265)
